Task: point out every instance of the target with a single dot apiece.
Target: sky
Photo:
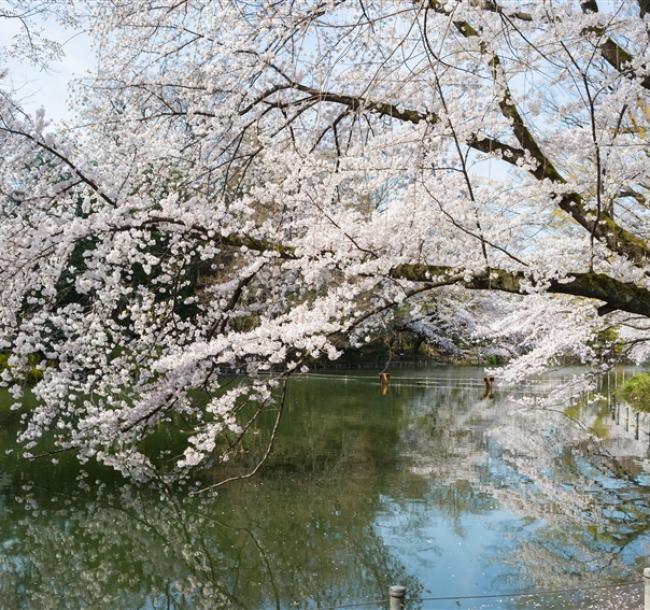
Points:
(47, 88)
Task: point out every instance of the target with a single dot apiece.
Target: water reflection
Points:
(426, 486)
(130, 550)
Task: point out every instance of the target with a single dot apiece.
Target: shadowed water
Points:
(427, 486)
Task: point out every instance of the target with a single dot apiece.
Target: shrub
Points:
(636, 391)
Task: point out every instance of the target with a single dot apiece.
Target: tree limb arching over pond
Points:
(250, 187)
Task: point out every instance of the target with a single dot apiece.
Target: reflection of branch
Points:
(598, 450)
(575, 420)
(262, 551)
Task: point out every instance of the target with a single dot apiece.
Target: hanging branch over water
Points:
(251, 187)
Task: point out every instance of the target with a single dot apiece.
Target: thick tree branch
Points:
(361, 104)
(615, 55)
(644, 7)
(617, 295)
(232, 239)
(602, 227)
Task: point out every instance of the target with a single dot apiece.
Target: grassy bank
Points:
(636, 390)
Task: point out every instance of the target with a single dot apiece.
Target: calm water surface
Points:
(428, 486)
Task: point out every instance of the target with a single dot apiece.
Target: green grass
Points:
(636, 390)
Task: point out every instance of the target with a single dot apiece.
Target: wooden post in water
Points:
(636, 430)
(397, 593)
(488, 380)
(384, 378)
(609, 388)
(646, 587)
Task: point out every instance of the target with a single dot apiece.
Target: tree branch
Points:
(603, 227)
(615, 55)
(624, 296)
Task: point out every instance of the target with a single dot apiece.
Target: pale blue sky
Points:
(48, 88)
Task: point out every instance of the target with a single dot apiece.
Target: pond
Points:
(427, 486)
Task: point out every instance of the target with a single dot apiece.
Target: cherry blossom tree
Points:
(28, 40)
(247, 185)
